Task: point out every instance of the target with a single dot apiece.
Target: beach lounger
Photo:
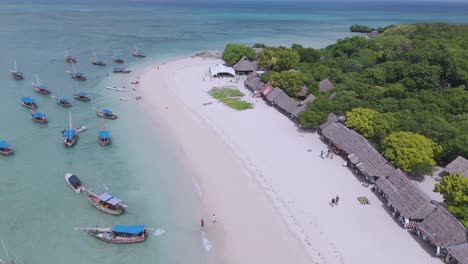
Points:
(363, 200)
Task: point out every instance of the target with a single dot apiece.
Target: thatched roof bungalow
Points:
(373, 34)
(272, 94)
(303, 91)
(459, 253)
(245, 66)
(325, 85)
(442, 229)
(459, 165)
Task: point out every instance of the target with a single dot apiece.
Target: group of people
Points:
(335, 200)
(329, 154)
(213, 220)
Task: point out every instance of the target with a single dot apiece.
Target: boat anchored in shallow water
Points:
(119, 234)
(82, 96)
(118, 59)
(28, 102)
(76, 75)
(69, 57)
(74, 183)
(96, 61)
(70, 135)
(106, 113)
(138, 54)
(62, 101)
(16, 74)
(104, 138)
(121, 70)
(39, 117)
(40, 88)
(6, 149)
(107, 203)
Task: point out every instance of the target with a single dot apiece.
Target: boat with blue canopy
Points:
(28, 102)
(96, 61)
(62, 101)
(118, 59)
(138, 54)
(106, 113)
(40, 88)
(5, 149)
(76, 75)
(121, 70)
(82, 96)
(119, 234)
(70, 135)
(16, 74)
(107, 203)
(69, 57)
(104, 138)
(39, 117)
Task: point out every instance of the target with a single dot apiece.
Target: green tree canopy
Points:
(409, 151)
(370, 123)
(454, 188)
(421, 76)
(291, 82)
(278, 59)
(234, 52)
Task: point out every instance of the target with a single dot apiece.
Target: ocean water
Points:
(38, 211)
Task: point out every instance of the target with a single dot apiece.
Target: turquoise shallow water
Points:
(37, 210)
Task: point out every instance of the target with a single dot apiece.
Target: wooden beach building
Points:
(458, 165)
(244, 66)
(457, 254)
(325, 85)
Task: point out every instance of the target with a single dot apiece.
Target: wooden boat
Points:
(28, 102)
(107, 203)
(117, 59)
(119, 234)
(6, 149)
(70, 135)
(74, 183)
(16, 74)
(82, 96)
(106, 113)
(62, 101)
(138, 54)
(69, 57)
(76, 75)
(40, 88)
(39, 117)
(96, 61)
(121, 70)
(104, 138)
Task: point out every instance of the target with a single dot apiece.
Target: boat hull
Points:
(64, 104)
(103, 142)
(41, 91)
(40, 121)
(92, 198)
(124, 71)
(112, 117)
(70, 60)
(80, 189)
(85, 99)
(33, 106)
(70, 143)
(119, 60)
(108, 236)
(16, 76)
(6, 152)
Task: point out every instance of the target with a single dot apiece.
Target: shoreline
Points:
(262, 175)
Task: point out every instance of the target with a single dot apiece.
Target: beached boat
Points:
(28, 102)
(76, 75)
(119, 234)
(39, 117)
(40, 88)
(16, 74)
(106, 113)
(138, 54)
(62, 101)
(74, 183)
(96, 61)
(104, 138)
(107, 203)
(121, 70)
(70, 135)
(82, 96)
(69, 57)
(5, 149)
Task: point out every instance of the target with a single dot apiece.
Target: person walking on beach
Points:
(213, 219)
(333, 201)
(337, 199)
(328, 154)
(321, 153)
(331, 155)
(202, 223)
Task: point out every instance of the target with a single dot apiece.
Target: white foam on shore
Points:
(159, 232)
(196, 187)
(206, 243)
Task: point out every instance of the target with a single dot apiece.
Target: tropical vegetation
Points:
(454, 188)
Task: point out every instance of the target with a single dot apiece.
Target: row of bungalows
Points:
(413, 208)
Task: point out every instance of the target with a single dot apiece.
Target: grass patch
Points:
(230, 97)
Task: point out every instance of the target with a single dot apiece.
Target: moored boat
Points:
(138, 54)
(40, 88)
(107, 203)
(118, 59)
(106, 113)
(62, 101)
(70, 135)
(119, 234)
(6, 149)
(76, 75)
(74, 183)
(28, 102)
(104, 138)
(16, 74)
(82, 96)
(39, 117)
(69, 57)
(121, 70)
(96, 61)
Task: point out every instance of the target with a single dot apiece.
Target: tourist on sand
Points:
(202, 223)
(321, 153)
(333, 201)
(337, 199)
(213, 219)
(328, 154)
(331, 155)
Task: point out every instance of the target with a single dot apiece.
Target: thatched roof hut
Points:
(443, 229)
(325, 85)
(373, 34)
(459, 252)
(245, 66)
(288, 105)
(303, 91)
(309, 98)
(273, 94)
(411, 202)
(459, 165)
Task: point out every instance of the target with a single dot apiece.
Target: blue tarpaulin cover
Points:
(38, 114)
(4, 144)
(27, 100)
(42, 86)
(83, 94)
(103, 134)
(63, 100)
(134, 230)
(69, 133)
(107, 111)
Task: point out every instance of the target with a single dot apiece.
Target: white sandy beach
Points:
(270, 195)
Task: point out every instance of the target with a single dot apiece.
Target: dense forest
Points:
(412, 78)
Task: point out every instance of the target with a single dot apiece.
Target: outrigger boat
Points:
(74, 183)
(70, 135)
(40, 88)
(69, 57)
(138, 54)
(82, 96)
(106, 113)
(5, 149)
(107, 203)
(62, 101)
(96, 61)
(119, 234)
(28, 102)
(77, 75)
(121, 70)
(39, 117)
(104, 138)
(16, 74)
